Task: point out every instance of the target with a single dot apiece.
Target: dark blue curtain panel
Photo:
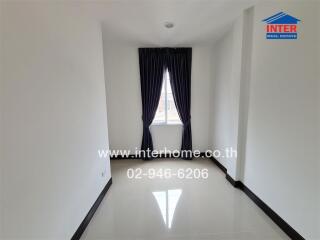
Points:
(153, 62)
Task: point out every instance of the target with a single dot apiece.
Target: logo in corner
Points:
(281, 26)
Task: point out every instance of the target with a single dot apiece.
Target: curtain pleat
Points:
(179, 67)
(151, 77)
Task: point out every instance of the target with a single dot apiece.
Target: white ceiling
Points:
(142, 21)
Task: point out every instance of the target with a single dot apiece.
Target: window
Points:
(166, 112)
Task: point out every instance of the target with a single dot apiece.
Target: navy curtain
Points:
(179, 67)
(153, 62)
(152, 65)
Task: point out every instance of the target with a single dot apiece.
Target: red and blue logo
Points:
(281, 26)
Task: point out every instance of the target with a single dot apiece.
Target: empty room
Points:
(159, 119)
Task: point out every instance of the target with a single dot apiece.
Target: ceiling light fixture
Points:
(169, 24)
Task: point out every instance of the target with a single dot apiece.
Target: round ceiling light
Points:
(169, 24)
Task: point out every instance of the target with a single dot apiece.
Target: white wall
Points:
(54, 119)
(278, 128)
(124, 98)
(123, 94)
(201, 82)
(1, 132)
(281, 153)
(318, 116)
(226, 94)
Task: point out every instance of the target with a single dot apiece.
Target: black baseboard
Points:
(134, 156)
(219, 165)
(293, 234)
(119, 157)
(93, 209)
(236, 184)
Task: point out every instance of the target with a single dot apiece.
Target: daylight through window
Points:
(166, 111)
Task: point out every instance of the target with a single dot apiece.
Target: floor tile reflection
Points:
(174, 208)
(167, 201)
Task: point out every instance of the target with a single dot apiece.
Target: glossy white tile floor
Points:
(172, 209)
